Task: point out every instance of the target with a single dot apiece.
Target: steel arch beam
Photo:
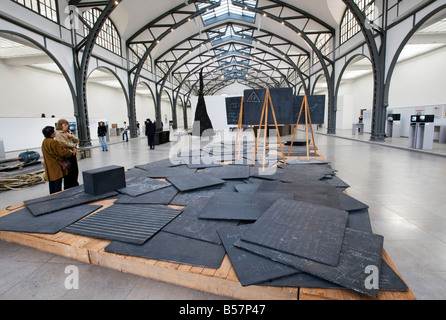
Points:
(81, 70)
(378, 58)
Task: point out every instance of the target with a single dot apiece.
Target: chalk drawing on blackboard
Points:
(254, 98)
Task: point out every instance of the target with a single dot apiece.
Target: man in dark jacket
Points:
(150, 133)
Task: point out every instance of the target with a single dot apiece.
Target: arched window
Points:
(349, 25)
(46, 8)
(108, 37)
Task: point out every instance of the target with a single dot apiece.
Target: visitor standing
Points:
(150, 133)
(53, 152)
(102, 134)
(69, 141)
(125, 133)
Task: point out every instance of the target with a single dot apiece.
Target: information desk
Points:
(162, 137)
(357, 127)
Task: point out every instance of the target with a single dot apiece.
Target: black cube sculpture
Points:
(103, 180)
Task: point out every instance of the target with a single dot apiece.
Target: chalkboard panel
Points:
(233, 109)
(316, 105)
(282, 100)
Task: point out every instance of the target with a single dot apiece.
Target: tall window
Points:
(46, 8)
(138, 50)
(323, 45)
(349, 25)
(108, 37)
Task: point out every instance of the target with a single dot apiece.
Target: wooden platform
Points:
(222, 281)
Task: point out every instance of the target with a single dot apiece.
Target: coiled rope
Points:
(21, 181)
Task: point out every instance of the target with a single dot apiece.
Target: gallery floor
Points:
(404, 189)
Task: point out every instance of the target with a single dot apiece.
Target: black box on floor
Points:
(103, 180)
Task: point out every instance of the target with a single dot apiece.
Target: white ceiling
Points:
(129, 16)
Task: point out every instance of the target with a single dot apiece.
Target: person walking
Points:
(150, 133)
(53, 152)
(102, 134)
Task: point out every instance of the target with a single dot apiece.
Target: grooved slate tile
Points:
(127, 223)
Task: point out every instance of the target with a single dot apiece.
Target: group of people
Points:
(58, 147)
(150, 132)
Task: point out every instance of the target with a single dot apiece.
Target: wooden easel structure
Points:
(307, 122)
(267, 102)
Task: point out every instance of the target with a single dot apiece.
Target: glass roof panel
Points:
(227, 10)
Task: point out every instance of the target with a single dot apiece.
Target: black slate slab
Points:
(348, 203)
(228, 172)
(24, 221)
(360, 251)
(63, 200)
(188, 224)
(240, 206)
(144, 186)
(198, 180)
(160, 196)
(251, 268)
(301, 229)
(173, 248)
(315, 192)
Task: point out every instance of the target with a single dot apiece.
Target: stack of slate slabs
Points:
(127, 223)
(290, 225)
(315, 240)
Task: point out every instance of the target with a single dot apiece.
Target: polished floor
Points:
(405, 190)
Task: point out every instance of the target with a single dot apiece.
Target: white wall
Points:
(420, 81)
(27, 92)
(352, 97)
(416, 84)
(106, 102)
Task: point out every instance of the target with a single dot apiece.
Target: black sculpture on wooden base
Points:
(202, 122)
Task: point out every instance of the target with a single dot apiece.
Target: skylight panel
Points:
(227, 10)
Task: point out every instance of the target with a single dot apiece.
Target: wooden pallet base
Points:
(222, 281)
